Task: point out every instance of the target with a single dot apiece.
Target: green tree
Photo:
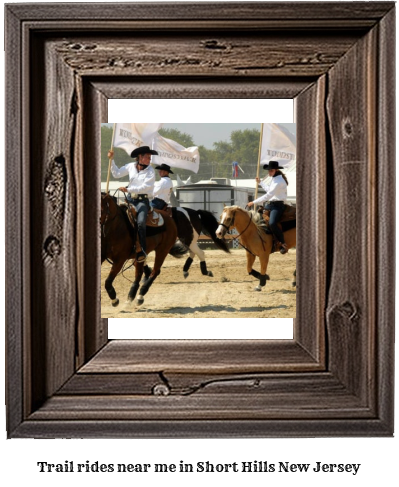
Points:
(245, 150)
(243, 147)
(181, 138)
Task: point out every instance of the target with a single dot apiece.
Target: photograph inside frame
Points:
(198, 220)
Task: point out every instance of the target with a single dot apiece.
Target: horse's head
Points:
(226, 221)
(109, 208)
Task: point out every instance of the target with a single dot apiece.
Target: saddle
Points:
(289, 215)
(155, 218)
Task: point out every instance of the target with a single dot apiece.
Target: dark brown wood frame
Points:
(63, 62)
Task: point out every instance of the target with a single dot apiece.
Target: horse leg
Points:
(136, 284)
(116, 267)
(187, 264)
(250, 263)
(294, 279)
(264, 260)
(154, 274)
(147, 272)
(252, 272)
(201, 255)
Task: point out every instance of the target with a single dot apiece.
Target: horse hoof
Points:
(210, 274)
(115, 302)
(185, 274)
(258, 288)
(140, 300)
(267, 277)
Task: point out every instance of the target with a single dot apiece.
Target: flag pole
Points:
(259, 154)
(110, 160)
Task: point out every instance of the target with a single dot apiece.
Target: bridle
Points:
(237, 236)
(107, 216)
(232, 223)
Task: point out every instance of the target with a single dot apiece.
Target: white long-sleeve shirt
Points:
(163, 189)
(140, 182)
(275, 191)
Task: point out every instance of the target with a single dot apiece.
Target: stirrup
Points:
(141, 256)
(284, 249)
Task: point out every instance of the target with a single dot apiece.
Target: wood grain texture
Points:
(385, 224)
(195, 87)
(270, 55)
(200, 356)
(312, 218)
(95, 330)
(359, 14)
(16, 263)
(351, 306)
(250, 428)
(335, 377)
(52, 209)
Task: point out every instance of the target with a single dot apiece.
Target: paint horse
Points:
(190, 224)
(118, 244)
(253, 238)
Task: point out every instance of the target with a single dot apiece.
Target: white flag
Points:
(175, 155)
(130, 136)
(278, 144)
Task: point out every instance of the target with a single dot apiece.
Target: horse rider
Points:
(162, 188)
(140, 189)
(276, 194)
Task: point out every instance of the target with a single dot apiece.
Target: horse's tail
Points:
(209, 227)
(178, 250)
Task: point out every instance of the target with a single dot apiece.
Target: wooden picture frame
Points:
(335, 378)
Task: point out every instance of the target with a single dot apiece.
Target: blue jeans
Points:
(142, 207)
(276, 212)
(158, 203)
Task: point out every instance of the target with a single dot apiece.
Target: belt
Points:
(136, 196)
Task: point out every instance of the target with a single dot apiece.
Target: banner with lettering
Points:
(174, 154)
(129, 136)
(278, 144)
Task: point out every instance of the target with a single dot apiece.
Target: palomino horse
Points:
(118, 239)
(190, 223)
(253, 238)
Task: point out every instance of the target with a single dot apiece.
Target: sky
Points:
(207, 134)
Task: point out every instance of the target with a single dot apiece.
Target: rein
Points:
(108, 212)
(105, 220)
(236, 237)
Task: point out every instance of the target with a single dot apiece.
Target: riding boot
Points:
(141, 250)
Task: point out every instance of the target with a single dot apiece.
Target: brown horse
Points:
(118, 239)
(253, 238)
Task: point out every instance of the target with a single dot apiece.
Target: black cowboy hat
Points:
(272, 165)
(143, 150)
(164, 167)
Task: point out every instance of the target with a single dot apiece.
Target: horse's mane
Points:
(255, 217)
(107, 194)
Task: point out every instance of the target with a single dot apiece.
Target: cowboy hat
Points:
(272, 165)
(143, 150)
(164, 167)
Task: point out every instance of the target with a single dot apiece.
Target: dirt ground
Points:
(229, 294)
